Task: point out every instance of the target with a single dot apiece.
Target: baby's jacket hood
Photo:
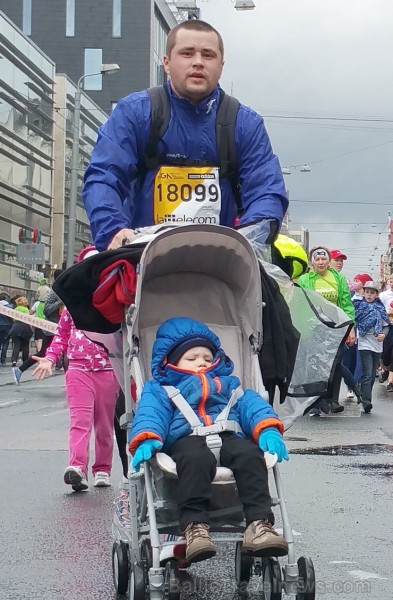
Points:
(180, 329)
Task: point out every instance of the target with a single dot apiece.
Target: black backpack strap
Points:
(225, 139)
(160, 113)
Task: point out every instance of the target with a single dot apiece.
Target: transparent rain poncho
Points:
(322, 326)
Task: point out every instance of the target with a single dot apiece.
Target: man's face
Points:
(337, 263)
(195, 64)
(391, 283)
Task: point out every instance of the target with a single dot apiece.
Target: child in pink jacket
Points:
(91, 389)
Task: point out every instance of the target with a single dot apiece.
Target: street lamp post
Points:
(105, 69)
(244, 5)
(287, 171)
(302, 169)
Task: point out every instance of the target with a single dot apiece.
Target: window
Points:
(159, 47)
(26, 18)
(116, 18)
(70, 18)
(93, 62)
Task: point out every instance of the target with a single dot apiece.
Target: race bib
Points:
(187, 195)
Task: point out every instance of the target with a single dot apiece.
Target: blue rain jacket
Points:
(118, 195)
(207, 392)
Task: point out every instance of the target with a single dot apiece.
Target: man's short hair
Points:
(192, 25)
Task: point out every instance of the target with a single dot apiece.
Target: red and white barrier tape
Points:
(29, 319)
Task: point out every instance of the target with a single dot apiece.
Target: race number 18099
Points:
(186, 192)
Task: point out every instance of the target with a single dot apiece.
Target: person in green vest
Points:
(38, 310)
(333, 286)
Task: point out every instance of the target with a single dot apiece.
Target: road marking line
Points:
(341, 416)
(4, 404)
(56, 412)
(361, 575)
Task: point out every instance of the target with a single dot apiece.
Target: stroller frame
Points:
(136, 548)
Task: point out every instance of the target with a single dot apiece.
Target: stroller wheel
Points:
(137, 585)
(146, 555)
(272, 581)
(171, 581)
(120, 566)
(243, 566)
(306, 590)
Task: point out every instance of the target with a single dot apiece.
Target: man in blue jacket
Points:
(121, 194)
(188, 356)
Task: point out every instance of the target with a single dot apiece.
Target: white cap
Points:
(371, 285)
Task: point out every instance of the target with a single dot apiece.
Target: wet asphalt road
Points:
(56, 545)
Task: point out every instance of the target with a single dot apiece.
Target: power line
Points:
(343, 202)
(310, 118)
(334, 223)
(340, 231)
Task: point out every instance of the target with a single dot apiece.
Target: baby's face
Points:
(196, 359)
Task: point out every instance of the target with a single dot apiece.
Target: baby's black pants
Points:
(196, 468)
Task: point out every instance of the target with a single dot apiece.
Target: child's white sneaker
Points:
(75, 477)
(102, 479)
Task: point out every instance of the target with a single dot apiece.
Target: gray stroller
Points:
(211, 274)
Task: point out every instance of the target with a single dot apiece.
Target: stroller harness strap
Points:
(221, 422)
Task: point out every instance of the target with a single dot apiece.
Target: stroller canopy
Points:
(209, 273)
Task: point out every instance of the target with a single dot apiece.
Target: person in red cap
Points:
(351, 358)
(337, 260)
(359, 280)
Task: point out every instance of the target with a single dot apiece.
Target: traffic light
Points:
(22, 235)
(36, 235)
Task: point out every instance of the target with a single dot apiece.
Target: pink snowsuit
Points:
(91, 390)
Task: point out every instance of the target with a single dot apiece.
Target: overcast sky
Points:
(330, 59)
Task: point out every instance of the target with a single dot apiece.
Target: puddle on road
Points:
(375, 470)
(346, 450)
(381, 470)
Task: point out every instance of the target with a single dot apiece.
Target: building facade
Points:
(79, 36)
(91, 118)
(26, 154)
(386, 260)
(36, 127)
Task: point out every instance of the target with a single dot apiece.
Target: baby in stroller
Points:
(192, 374)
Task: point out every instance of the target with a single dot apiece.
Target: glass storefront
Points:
(26, 152)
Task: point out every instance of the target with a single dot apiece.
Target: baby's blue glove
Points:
(144, 452)
(271, 440)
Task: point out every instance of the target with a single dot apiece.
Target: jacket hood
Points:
(180, 329)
